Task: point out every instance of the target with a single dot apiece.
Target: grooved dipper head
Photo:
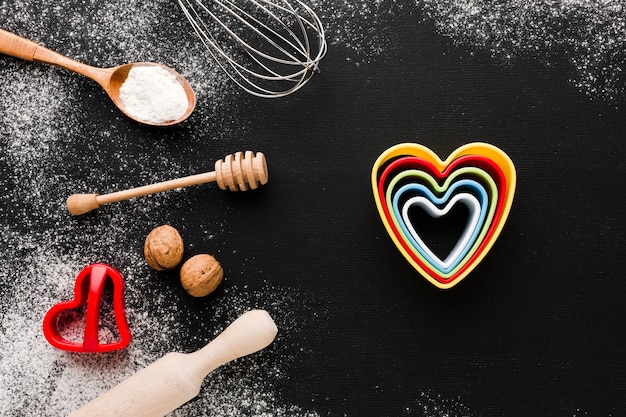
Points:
(240, 172)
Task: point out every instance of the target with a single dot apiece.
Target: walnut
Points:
(163, 248)
(200, 275)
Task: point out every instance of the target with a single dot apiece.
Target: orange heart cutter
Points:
(88, 289)
(413, 166)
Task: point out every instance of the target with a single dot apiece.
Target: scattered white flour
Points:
(362, 29)
(585, 37)
(52, 148)
(429, 404)
(153, 94)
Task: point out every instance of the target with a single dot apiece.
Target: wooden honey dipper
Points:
(238, 172)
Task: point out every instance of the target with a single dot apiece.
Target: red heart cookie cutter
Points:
(88, 289)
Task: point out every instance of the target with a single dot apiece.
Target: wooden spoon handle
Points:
(16, 46)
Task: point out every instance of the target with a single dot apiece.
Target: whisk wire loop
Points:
(270, 48)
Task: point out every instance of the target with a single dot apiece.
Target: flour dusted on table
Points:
(152, 94)
(585, 37)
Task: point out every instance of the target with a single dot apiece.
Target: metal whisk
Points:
(270, 48)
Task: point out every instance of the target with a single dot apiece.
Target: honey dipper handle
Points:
(156, 188)
(78, 204)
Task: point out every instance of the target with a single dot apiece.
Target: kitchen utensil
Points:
(395, 161)
(438, 207)
(416, 182)
(110, 79)
(177, 377)
(238, 172)
(88, 289)
(270, 48)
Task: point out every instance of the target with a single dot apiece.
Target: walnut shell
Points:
(163, 248)
(200, 275)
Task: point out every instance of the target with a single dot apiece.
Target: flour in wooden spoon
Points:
(152, 94)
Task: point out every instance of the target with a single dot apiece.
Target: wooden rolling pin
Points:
(176, 378)
(238, 172)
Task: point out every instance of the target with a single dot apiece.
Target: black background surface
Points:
(536, 329)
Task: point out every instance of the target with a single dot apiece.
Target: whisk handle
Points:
(16, 46)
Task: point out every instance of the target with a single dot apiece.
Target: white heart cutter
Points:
(472, 204)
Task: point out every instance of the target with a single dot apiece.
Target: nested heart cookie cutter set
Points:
(478, 175)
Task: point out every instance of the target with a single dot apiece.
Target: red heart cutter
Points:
(88, 289)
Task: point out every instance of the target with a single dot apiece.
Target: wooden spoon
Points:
(110, 79)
